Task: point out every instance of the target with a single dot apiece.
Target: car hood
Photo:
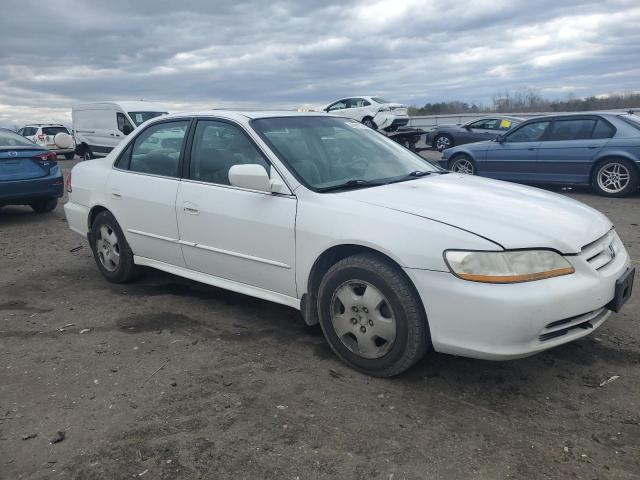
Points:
(513, 216)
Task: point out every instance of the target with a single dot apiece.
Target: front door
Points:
(515, 158)
(143, 189)
(236, 234)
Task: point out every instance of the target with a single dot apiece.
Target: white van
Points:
(98, 127)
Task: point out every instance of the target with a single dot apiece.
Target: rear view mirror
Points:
(251, 176)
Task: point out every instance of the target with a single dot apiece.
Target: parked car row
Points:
(597, 149)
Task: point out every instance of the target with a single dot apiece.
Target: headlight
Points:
(507, 267)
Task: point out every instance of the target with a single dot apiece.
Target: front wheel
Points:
(372, 316)
(45, 205)
(615, 178)
(462, 164)
(111, 250)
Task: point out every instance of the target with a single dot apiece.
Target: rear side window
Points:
(603, 130)
(531, 132)
(577, 129)
(29, 131)
(156, 151)
(54, 130)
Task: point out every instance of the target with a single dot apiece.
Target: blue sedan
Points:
(597, 149)
(29, 174)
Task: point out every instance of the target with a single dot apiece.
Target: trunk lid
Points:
(21, 163)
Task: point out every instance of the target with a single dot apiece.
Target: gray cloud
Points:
(289, 53)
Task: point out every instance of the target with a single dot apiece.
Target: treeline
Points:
(530, 101)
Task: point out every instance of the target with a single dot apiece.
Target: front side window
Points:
(122, 122)
(576, 129)
(326, 152)
(217, 146)
(531, 132)
(339, 105)
(486, 124)
(141, 117)
(157, 149)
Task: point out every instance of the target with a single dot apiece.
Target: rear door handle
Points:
(116, 194)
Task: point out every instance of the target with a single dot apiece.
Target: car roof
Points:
(245, 114)
(43, 125)
(126, 105)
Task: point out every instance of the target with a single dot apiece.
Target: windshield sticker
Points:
(505, 124)
(139, 118)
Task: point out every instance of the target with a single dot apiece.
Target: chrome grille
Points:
(601, 253)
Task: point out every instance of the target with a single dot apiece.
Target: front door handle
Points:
(190, 209)
(591, 147)
(116, 194)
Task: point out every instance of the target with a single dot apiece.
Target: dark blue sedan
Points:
(29, 174)
(597, 149)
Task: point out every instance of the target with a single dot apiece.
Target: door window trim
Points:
(186, 174)
(131, 141)
(524, 124)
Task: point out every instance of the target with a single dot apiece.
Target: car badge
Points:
(13, 154)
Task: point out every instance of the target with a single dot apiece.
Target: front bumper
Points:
(19, 192)
(502, 322)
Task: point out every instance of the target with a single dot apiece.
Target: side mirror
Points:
(467, 128)
(500, 139)
(127, 129)
(251, 176)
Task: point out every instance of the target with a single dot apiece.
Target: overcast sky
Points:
(205, 54)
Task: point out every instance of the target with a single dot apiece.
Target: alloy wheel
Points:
(362, 319)
(108, 248)
(613, 177)
(442, 143)
(463, 165)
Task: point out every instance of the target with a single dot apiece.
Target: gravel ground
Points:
(169, 379)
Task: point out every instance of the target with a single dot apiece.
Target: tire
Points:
(111, 250)
(45, 205)
(615, 177)
(85, 153)
(398, 332)
(442, 142)
(70, 155)
(368, 121)
(463, 164)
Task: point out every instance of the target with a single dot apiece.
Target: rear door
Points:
(568, 150)
(516, 157)
(143, 188)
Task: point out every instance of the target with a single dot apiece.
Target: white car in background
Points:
(53, 136)
(374, 112)
(390, 254)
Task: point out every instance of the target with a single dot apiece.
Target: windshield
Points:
(380, 100)
(141, 117)
(10, 139)
(327, 151)
(54, 130)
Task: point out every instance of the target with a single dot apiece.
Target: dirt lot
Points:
(177, 380)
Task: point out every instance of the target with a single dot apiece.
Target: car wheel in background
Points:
(442, 142)
(462, 164)
(616, 177)
(372, 316)
(45, 205)
(70, 156)
(111, 250)
(85, 153)
(368, 121)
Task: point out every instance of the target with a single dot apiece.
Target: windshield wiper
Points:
(350, 184)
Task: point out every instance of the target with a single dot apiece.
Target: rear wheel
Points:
(462, 164)
(111, 250)
(85, 153)
(616, 177)
(372, 316)
(45, 205)
(368, 121)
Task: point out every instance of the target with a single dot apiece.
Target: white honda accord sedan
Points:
(390, 254)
